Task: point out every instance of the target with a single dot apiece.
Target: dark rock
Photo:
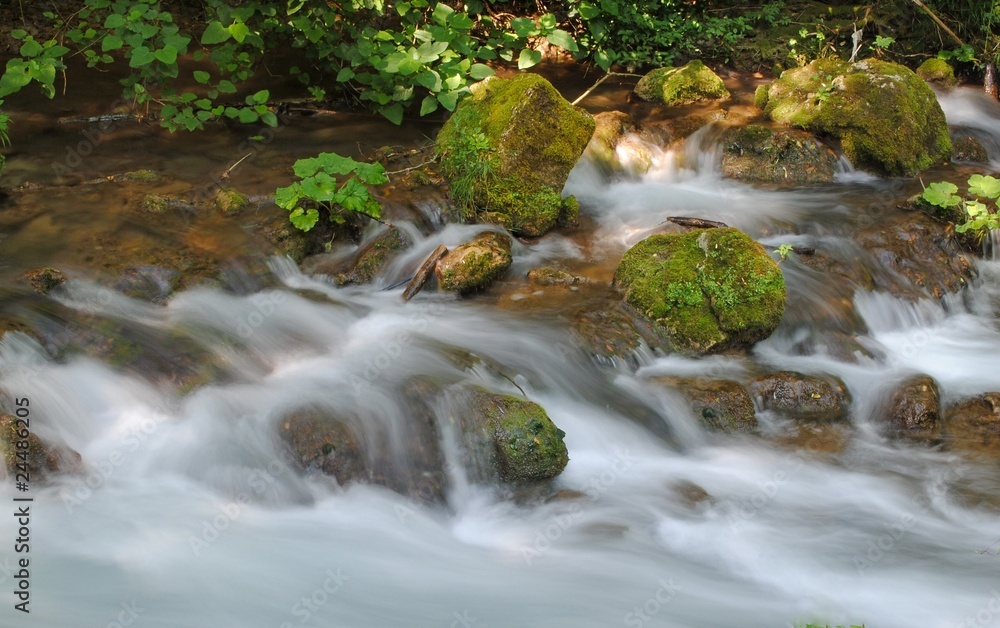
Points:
(148, 283)
(759, 154)
(801, 397)
(915, 409)
(44, 280)
(553, 277)
(374, 257)
(968, 149)
(974, 425)
(720, 405)
(325, 443)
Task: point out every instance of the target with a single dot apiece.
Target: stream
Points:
(189, 513)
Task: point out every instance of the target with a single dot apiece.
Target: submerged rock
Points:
(325, 443)
(148, 283)
(41, 459)
(705, 290)
(474, 265)
(374, 256)
(721, 405)
(509, 149)
(690, 83)
(230, 202)
(968, 148)
(757, 153)
(886, 117)
(801, 397)
(974, 424)
(44, 280)
(937, 71)
(553, 277)
(613, 129)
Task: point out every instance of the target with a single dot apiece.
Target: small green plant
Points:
(963, 54)
(882, 44)
(784, 251)
(319, 188)
(982, 216)
(4, 137)
(469, 161)
(826, 89)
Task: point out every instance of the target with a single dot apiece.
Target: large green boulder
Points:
(886, 117)
(508, 149)
(476, 264)
(705, 290)
(690, 83)
(528, 444)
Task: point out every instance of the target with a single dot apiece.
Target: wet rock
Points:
(690, 493)
(611, 335)
(509, 149)
(321, 441)
(974, 425)
(526, 444)
(553, 277)
(801, 397)
(920, 250)
(613, 129)
(887, 118)
(230, 202)
(968, 149)
(690, 83)
(157, 204)
(473, 266)
(757, 153)
(44, 280)
(373, 257)
(937, 71)
(915, 408)
(720, 405)
(705, 290)
(43, 459)
(148, 283)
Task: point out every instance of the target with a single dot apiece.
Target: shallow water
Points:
(188, 514)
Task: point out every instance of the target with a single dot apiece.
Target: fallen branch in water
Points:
(598, 84)
(696, 223)
(424, 273)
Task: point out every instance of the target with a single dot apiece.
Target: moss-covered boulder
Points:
(373, 257)
(690, 83)
(705, 290)
(525, 443)
(886, 117)
(937, 71)
(474, 265)
(230, 202)
(508, 150)
(759, 154)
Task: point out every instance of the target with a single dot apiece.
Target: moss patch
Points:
(475, 265)
(230, 202)
(886, 117)
(518, 138)
(690, 83)
(757, 153)
(374, 257)
(939, 71)
(706, 290)
(529, 446)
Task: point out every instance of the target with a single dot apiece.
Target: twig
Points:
(426, 163)
(523, 394)
(938, 21)
(598, 84)
(225, 175)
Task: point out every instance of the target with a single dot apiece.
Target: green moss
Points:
(690, 83)
(885, 116)
(520, 138)
(155, 203)
(569, 215)
(707, 289)
(529, 446)
(936, 70)
(375, 256)
(230, 202)
(44, 280)
(141, 176)
(475, 265)
(760, 96)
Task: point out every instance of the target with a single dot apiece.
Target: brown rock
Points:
(800, 397)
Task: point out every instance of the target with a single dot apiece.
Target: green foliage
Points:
(784, 251)
(963, 54)
(4, 137)
(37, 62)
(319, 188)
(982, 216)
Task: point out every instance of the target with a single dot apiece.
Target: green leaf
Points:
(12, 81)
(429, 79)
(461, 22)
(976, 209)
(984, 186)
(448, 100)
(287, 197)
(239, 31)
(201, 76)
(428, 105)
(215, 33)
(30, 48)
(141, 56)
(111, 42)
(345, 75)
(441, 13)
(562, 39)
(320, 187)
(114, 20)
(524, 27)
(262, 96)
(528, 58)
(547, 21)
(248, 116)
(167, 55)
(304, 220)
(479, 71)
(393, 113)
(227, 87)
(941, 194)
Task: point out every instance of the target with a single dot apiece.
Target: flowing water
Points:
(188, 514)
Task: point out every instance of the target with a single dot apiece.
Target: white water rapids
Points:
(187, 515)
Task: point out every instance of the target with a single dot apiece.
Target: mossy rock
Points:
(528, 444)
(690, 83)
(156, 204)
(705, 290)
(474, 265)
(801, 397)
(43, 459)
(760, 96)
(969, 149)
(374, 257)
(509, 148)
(230, 202)
(937, 71)
(138, 176)
(720, 405)
(757, 153)
(44, 280)
(887, 118)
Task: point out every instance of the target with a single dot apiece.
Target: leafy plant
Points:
(319, 188)
(963, 54)
(982, 216)
(784, 251)
(882, 44)
(4, 137)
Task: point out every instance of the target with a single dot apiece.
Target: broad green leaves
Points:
(941, 194)
(982, 217)
(985, 186)
(319, 185)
